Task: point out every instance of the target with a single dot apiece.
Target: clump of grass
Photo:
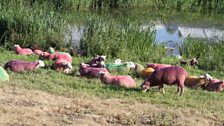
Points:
(126, 40)
(27, 25)
(210, 55)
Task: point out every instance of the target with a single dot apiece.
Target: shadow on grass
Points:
(119, 88)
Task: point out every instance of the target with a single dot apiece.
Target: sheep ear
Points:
(202, 76)
(64, 63)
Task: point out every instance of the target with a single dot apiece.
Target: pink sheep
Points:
(158, 66)
(215, 85)
(62, 65)
(65, 56)
(37, 52)
(120, 80)
(86, 70)
(20, 65)
(168, 75)
(22, 51)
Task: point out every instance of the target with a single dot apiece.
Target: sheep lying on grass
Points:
(37, 52)
(22, 51)
(214, 85)
(21, 66)
(86, 70)
(62, 65)
(3, 75)
(97, 61)
(147, 72)
(119, 80)
(123, 67)
(65, 56)
(197, 82)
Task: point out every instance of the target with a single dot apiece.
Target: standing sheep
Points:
(22, 51)
(86, 70)
(158, 66)
(124, 81)
(20, 65)
(168, 75)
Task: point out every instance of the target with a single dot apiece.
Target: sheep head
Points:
(117, 61)
(41, 63)
(206, 76)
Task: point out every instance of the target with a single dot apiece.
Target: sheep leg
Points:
(161, 87)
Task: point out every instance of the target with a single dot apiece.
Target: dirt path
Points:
(22, 107)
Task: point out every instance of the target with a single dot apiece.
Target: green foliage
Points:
(126, 40)
(210, 55)
(28, 25)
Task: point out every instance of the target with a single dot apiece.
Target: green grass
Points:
(124, 39)
(27, 25)
(69, 85)
(210, 55)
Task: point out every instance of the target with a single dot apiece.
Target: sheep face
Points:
(145, 86)
(41, 63)
(117, 61)
(101, 64)
(206, 77)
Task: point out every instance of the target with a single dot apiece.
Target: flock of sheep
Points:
(154, 74)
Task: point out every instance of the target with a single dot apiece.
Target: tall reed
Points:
(210, 55)
(27, 25)
(127, 40)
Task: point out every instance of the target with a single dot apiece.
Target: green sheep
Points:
(3, 75)
(123, 67)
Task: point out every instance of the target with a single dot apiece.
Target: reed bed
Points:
(27, 25)
(126, 40)
(210, 54)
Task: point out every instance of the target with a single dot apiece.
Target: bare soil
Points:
(23, 107)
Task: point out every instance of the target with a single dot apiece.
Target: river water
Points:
(171, 29)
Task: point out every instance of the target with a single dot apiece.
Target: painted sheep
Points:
(158, 66)
(138, 69)
(97, 61)
(22, 51)
(20, 65)
(168, 75)
(37, 52)
(197, 82)
(62, 65)
(147, 72)
(215, 85)
(119, 80)
(3, 75)
(65, 56)
(86, 70)
(123, 67)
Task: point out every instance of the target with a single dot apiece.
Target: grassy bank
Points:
(69, 85)
(128, 40)
(210, 54)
